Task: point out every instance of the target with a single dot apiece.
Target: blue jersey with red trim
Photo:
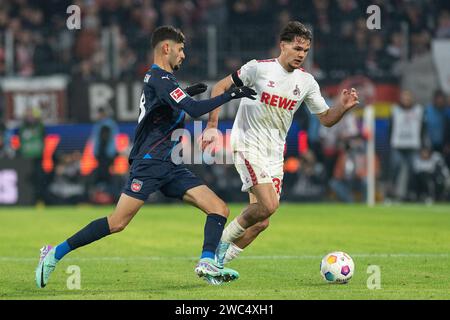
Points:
(160, 114)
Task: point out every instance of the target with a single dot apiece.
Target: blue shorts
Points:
(150, 175)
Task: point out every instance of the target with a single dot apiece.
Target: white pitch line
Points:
(274, 257)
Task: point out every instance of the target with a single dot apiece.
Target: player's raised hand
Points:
(196, 89)
(242, 92)
(349, 98)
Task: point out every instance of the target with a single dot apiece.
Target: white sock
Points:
(232, 253)
(232, 232)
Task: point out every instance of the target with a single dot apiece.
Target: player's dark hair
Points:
(167, 33)
(295, 29)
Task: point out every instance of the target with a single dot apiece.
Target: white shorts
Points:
(255, 170)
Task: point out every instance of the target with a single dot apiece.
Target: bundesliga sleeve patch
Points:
(178, 95)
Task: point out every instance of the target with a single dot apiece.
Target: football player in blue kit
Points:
(163, 107)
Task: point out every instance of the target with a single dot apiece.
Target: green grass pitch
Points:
(154, 257)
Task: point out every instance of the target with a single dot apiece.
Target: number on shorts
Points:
(277, 184)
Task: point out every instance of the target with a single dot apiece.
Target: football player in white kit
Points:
(260, 128)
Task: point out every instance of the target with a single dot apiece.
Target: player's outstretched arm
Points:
(218, 89)
(198, 108)
(210, 135)
(348, 100)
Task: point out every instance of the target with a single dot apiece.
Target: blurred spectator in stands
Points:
(143, 24)
(127, 58)
(170, 13)
(41, 29)
(86, 43)
(63, 41)
(420, 43)
(5, 149)
(407, 133)
(350, 172)
(378, 61)
(443, 27)
(395, 51)
(321, 18)
(313, 131)
(291, 167)
(232, 63)
(24, 53)
(431, 176)
(249, 12)
(437, 121)
(31, 136)
(414, 15)
(319, 15)
(282, 18)
(4, 19)
(212, 12)
(44, 61)
(308, 183)
(347, 13)
(84, 71)
(2, 61)
(360, 52)
(67, 186)
(103, 137)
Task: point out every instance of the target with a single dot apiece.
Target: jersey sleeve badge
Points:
(178, 95)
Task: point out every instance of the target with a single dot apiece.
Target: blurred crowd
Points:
(333, 166)
(414, 168)
(60, 180)
(246, 29)
(419, 149)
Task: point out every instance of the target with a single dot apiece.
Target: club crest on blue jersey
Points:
(136, 185)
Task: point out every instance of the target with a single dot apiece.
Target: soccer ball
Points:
(337, 267)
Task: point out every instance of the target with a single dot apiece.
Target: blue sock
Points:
(208, 254)
(213, 232)
(61, 250)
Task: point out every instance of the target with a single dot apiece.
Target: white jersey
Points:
(261, 125)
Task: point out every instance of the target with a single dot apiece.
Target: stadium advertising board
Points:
(15, 185)
(122, 100)
(45, 94)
